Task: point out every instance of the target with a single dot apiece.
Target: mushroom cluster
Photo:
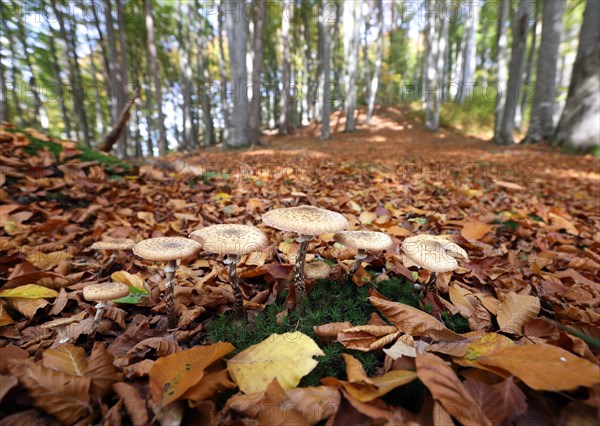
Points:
(232, 241)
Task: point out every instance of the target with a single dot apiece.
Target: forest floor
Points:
(512, 335)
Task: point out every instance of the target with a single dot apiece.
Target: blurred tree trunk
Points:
(579, 126)
(378, 60)
(4, 113)
(501, 65)
(517, 64)
(237, 36)
(114, 89)
(162, 136)
(257, 61)
(185, 70)
(325, 91)
(99, 128)
(541, 124)
(527, 93)
(74, 75)
(286, 76)
(204, 80)
(149, 107)
(435, 64)
(122, 144)
(351, 48)
(19, 118)
(59, 84)
(470, 54)
(223, 71)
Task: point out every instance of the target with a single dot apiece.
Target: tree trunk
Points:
(122, 146)
(517, 64)
(99, 128)
(255, 104)
(325, 83)
(579, 127)
(285, 98)
(59, 86)
(470, 55)
(541, 124)
(437, 41)
(351, 48)
(203, 81)
(223, 70)
(162, 137)
(378, 59)
(114, 89)
(237, 35)
(19, 118)
(185, 70)
(114, 134)
(521, 108)
(3, 92)
(307, 90)
(501, 66)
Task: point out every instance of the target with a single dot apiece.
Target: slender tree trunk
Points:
(114, 90)
(284, 100)
(541, 124)
(526, 98)
(185, 70)
(223, 70)
(237, 35)
(4, 113)
(470, 55)
(99, 128)
(203, 81)
(579, 127)
(307, 90)
(162, 136)
(351, 48)
(501, 70)
(106, 72)
(19, 117)
(255, 104)
(149, 106)
(378, 60)
(437, 35)
(325, 83)
(122, 144)
(59, 86)
(515, 79)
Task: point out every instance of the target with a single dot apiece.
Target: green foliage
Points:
(399, 290)
(474, 115)
(455, 323)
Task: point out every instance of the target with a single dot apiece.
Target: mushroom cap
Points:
(103, 292)
(230, 239)
(166, 248)
(305, 220)
(316, 270)
(433, 252)
(120, 244)
(364, 240)
(59, 322)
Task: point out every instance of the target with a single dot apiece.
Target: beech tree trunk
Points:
(286, 75)
(527, 92)
(351, 48)
(255, 104)
(501, 65)
(470, 54)
(541, 124)
(434, 66)
(122, 146)
(325, 91)
(378, 60)
(579, 127)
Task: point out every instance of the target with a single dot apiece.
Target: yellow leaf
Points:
(286, 357)
(222, 197)
(544, 367)
(67, 358)
(29, 291)
(515, 311)
(47, 260)
(129, 280)
(171, 376)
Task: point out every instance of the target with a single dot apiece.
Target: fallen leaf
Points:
(544, 367)
(6, 384)
(475, 230)
(67, 358)
(404, 346)
(516, 310)
(329, 332)
(464, 300)
(130, 280)
(29, 291)
(171, 376)
(286, 357)
(28, 307)
(5, 319)
(134, 404)
(101, 370)
(211, 383)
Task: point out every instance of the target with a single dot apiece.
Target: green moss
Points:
(455, 323)
(399, 290)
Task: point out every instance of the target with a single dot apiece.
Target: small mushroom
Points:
(307, 222)
(316, 270)
(434, 253)
(167, 249)
(103, 294)
(112, 248)
(232, 241)
(363, 241)
(60, 325)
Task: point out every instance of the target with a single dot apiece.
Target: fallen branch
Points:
(114, 134)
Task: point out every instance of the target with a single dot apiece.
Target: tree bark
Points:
(122, 146)
(541, 124)
(162, 137)
(3, 92)
(470, 54)
(59, 85)
(378, 60)
(521, 108)
(99, 128)
(579, 127)
(501, 65)
(284, 100)
(255, 104)
(517, 64)
(19, 118)
(223, 74)
(351, 48)
(325, 83)
(185, 71)
(237, 35)
(434, 66)
(203, 81)
(109, 140)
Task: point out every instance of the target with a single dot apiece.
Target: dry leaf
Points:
(134, 404)
(28, 307)
(463, 299)
(129, 280)
(101, 370)
(474, 230)
(515, 311)
(211, 383)
(329, 332)
(171, 376)
(404, 346)
(5, 319)
(286, 357)
(67, 358)
(29, 291)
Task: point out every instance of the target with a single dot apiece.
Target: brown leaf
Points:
(161, 346)
(533, 364)
(134, 404)
(446, 387)
(481, 319)
(101, 370)
(513, 399)
(6, 384)
(412, 321)
(139, 369)
(329, 332)
(464, 300)
(210, 384)
(515, 311)
(113, 416)
(64, 396)
(475, 230)
(67, 358)
(9, 353)
(488, 398)
(5, 318)
(27, 307)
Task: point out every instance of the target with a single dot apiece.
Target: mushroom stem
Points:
(431, 282)
(100, 308)
(170, 293)
(299, 267)
(357, 262)
(231, 262)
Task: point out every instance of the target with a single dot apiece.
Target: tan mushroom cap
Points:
(166, 248)
(364, 240)
(433, 252)
(103, 292)
(316, 270)
(230, 239)
(59, 322)
(305, 220)
(121, 244)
